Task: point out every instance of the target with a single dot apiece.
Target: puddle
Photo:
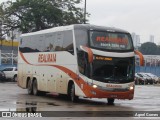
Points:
(52, 104)
(36, 103)
(33, 106)
(31, 109)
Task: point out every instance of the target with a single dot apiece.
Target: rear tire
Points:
(35, 88)
(110, 101)
(30, 87)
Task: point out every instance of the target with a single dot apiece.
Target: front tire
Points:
(110, 101)
(72, 95)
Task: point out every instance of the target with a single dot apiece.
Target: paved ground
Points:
(13, 98)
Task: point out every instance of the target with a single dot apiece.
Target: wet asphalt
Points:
(14, 98)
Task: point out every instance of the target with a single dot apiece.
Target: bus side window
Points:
(81, 38)
(26, 45)
(83, 63)
(58, 41)
(68, 42)
(50, 42)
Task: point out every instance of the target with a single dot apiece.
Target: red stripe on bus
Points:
(24, 58)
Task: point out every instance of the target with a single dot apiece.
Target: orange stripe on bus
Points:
(140, 56)
(90, 53)
(87, 89)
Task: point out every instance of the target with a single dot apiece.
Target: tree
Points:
(149, 48)
(1, 25)
(7, 23)
(34, 15)
(1, 32)
(158, 50)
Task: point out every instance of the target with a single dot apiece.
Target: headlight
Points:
(131, 88)
(94, 86)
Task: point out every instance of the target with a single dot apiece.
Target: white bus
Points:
(78, 61)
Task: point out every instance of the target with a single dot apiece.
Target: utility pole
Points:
(12, 45)
(1, 24)
(85, 12)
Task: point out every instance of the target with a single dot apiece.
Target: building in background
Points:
(151, 39)
(8, 52)
(9, 48)
(136, 40)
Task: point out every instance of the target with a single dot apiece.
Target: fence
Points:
(8, 59)
(149, 69)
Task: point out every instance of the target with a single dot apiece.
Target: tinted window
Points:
(32, 44)
(81, 38)
(42, 43)
(58, 41)
(50, 42)
(68, 41)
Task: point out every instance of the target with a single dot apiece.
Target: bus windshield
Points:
(111, 70)
(110, 40)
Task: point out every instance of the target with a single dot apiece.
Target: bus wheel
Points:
(29, 87)
(35, 88)
(110, 101)
(72, 95)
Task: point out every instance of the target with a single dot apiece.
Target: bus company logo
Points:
(45, 58)
(113, 86)
(112, 40)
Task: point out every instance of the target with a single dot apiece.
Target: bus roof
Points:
(75, 26)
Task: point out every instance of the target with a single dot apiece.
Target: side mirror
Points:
(140, 56)
(89, 51)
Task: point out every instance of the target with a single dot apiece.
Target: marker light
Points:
(94, 86)
(131, 88)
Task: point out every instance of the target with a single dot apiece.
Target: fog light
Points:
(131, 88)
(94, 86)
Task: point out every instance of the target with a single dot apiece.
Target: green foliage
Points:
(149, 48)
(158, 50)
(34, 15)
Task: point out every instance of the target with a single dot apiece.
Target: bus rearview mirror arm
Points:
(89, 52)
(141, 61)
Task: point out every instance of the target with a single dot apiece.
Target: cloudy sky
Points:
(139, 16)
